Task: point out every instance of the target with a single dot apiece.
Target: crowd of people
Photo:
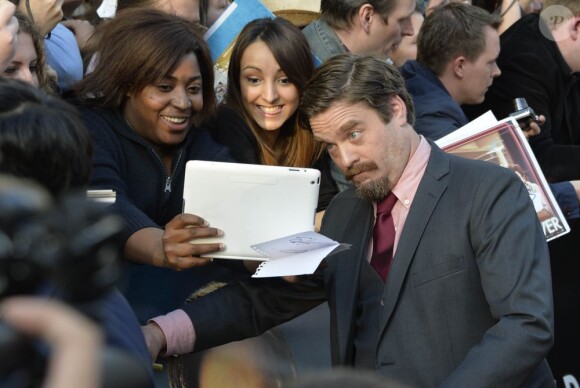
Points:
(449, 280)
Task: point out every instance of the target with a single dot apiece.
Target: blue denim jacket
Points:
(323, 41)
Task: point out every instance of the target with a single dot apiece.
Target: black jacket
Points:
(532, 67)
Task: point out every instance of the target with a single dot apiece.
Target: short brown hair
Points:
(351, 78)
(339, 13)
(451, 30)
(138, 48)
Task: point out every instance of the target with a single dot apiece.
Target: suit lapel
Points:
(432, 186)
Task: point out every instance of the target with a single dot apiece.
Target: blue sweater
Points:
(437, 114)
(147, 197)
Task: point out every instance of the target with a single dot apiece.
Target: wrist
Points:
(158, 337)
(177, 330)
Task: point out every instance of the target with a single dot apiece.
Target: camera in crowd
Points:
(523, 114)
(72, 247)
(68, 251)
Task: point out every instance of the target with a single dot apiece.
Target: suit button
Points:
(382, 303)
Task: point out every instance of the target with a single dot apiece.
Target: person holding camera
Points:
(540, 61)
(456, 64)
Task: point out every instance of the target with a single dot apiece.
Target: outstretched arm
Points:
(232, 313)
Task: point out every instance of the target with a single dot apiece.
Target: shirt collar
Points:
(408, 183)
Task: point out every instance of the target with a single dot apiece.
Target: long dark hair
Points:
(295, 145)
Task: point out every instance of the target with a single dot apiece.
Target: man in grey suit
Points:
(467, 301)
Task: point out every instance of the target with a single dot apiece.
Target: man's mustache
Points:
(359, 168)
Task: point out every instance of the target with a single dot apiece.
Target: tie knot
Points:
(387, 204)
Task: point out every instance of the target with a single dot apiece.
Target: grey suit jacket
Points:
(468, 300)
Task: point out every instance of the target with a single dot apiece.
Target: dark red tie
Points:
(384, 237)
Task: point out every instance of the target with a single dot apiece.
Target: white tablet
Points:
(250, 203)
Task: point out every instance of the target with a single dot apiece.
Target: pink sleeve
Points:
(178, 330)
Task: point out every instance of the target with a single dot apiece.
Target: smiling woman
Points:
(164, 112)
(151, 86)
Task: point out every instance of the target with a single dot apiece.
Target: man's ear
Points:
(399, 110)
(575, 28)
(365, 17)
(569, 29)
(458, 66)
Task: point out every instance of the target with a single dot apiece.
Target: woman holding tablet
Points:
(152, 84)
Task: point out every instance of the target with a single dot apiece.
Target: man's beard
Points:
(374, 190)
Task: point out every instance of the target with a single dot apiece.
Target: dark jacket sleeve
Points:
(567, 199)
(516, 282)
(247, 309)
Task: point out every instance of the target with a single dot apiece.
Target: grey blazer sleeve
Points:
(513, 262)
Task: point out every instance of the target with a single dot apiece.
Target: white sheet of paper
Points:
(486, 120)
(298, 254)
